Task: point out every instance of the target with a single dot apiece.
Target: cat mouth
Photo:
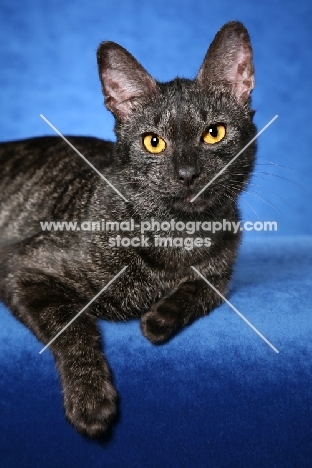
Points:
(188, 204)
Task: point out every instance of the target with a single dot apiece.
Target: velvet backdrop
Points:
(216, 395)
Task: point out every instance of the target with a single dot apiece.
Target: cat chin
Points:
(199, 205)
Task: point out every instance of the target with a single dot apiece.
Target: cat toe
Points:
(90, 412)
(155, 327)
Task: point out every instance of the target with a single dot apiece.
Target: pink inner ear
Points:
(241, 73)
(118, 92)
(122, 88)
(116, 87)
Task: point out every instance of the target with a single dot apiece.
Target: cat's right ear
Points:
(124, 80)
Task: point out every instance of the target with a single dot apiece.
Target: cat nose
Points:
(187, 175)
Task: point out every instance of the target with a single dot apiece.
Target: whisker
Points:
(271, 163)
(271, 191)
(275, 184)
(242, 200)
(263, 199)
(281, 177)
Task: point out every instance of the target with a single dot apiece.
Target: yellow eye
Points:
(153, 143)
(214, 133)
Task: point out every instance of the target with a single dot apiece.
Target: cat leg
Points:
(189, 301)
(46, 305)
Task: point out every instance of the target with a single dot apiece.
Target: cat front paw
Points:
(171, 313)
(160, 322)
(91, 409)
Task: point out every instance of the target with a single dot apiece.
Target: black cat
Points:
(172, 139)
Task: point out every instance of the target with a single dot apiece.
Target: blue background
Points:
(48, 66)
(216, 395)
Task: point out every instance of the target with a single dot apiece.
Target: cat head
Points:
(173, 138)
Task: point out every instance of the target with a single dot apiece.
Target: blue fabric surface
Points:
(216, 395)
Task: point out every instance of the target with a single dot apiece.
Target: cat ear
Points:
(229, 60)
(124, 80)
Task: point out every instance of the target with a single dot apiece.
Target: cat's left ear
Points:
(124, 81)
(229, 60)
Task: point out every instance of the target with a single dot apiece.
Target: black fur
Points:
(47, 277)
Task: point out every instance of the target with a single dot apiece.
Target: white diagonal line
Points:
(232, 160)
(82, 310)
(83, 157)
(235, 310)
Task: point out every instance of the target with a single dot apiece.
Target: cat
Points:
(172, 139)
